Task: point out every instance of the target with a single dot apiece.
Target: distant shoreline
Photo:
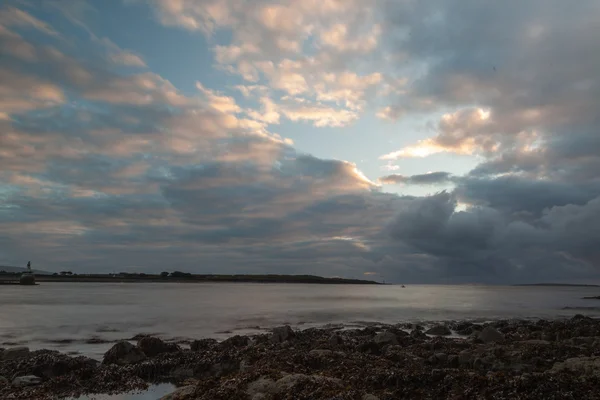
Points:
(557, 284)
(148, 278)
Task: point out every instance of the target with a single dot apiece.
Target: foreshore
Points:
(506, 359)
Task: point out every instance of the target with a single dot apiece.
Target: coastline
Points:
(148, 278)
(501, 359)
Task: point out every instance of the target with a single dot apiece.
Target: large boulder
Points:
(153, 346)
(15, 353)
(439, 330)
(236, 341)
(123, 353)
(490, 335)
(282, 334)
(385, 338)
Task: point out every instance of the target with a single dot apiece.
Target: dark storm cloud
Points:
(518, 84)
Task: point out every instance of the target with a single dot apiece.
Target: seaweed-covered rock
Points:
(439, 330)
(153, 346)
(28, 380)
(385, 338)
(15, 353)
(490, 335)
(123, 353)
(282, 334)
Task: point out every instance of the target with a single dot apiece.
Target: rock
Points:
(441, 357)
(369, 348)
(589, 366)
(236, 341)
(182, 393)
(335, 340)
(245, 365)
(437, 374)
(385, 338)
(369, 397)
(286, 383)
(490, 335)
(439, 330)
(15, 353)
(153, 346)
(202, 344)
(3, 381)
(28, 380)
(182, 373)
(582, 341)
(224, 368)
(453, 361)
(418, 334)
(123, 353)
(282, 334)
(261, 385)
(465, 358)
(320, 353)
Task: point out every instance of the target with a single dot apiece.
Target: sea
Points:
(86, 318)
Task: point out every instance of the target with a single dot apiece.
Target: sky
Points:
(411, 141)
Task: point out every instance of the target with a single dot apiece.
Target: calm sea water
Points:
(64, 316)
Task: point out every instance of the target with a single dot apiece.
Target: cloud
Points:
(104, 165)
(15, 17)
(431, 178)
(268, 43)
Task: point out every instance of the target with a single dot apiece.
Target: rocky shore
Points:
(508, 359)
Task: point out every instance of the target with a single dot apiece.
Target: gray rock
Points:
(441, 357)
(28, 380)
(490, 335)
(369, 397)
(182, 393)
(123, 353)
(335, 340)
(285, 384)
(260, 396)
(439, 330)
(15, 353)
(4, 381)
(320, 353)
(245, 365)
(282, 334)
(418, 334)
(261, 385)
(386, 337)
